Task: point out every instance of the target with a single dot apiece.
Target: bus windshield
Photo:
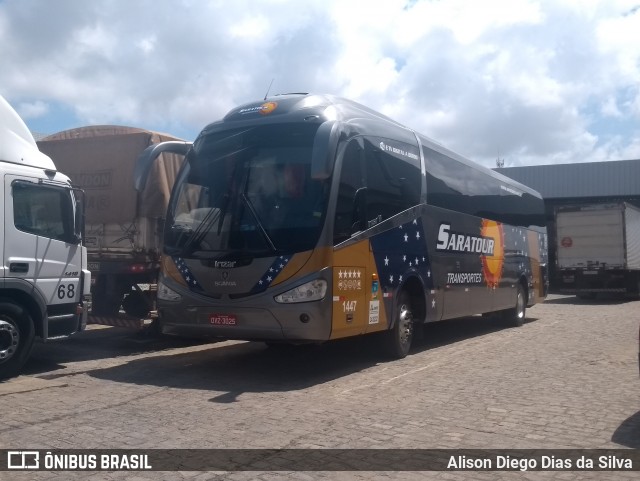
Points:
(248, 191)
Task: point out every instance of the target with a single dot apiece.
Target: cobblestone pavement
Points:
(567, 379)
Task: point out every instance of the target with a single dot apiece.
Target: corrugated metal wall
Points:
(592, 179)
(633, 237)
(581, 183)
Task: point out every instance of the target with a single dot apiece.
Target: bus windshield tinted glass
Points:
(248, 190)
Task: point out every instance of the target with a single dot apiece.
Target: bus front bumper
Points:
(303, 322)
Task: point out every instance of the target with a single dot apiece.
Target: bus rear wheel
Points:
(515, 317)
(16, 338)
(398, 339)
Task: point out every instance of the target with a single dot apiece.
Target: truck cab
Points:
(44, 284)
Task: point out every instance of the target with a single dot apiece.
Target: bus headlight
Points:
(167, 294)
(311, 291)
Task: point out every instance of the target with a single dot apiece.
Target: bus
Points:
(305, 218)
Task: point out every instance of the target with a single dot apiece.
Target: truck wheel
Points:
(398, 339)
(135, 305)
(515, 317)
(16, 338)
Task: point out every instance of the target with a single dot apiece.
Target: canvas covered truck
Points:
(598, 249)
(44, 286)
(123, 226)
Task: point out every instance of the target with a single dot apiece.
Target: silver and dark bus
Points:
(305, 218)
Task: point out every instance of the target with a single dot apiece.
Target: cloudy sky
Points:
(528, 81)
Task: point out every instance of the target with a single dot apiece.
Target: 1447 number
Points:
(349, 306)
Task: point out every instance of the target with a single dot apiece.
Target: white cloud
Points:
(147, 44)
(634, 105)
(524, 79)
(251, 27)
(610, 108)
(32, 110)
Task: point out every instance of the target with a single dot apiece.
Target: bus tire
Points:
(16, 338)
(398, 339)
(515, 317)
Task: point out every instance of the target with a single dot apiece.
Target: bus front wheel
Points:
(398, 339)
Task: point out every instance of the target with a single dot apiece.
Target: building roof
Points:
(38, 135)
(619, 178)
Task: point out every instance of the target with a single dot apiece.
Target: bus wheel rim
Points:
(520, 305)
(9, 340)
(405, 328)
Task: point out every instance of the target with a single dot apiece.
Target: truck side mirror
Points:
(79, 221)
(146, 158)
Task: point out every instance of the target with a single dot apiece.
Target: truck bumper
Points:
(580, 281)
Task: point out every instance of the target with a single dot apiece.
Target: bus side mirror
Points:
(146, 158)
(323, 154)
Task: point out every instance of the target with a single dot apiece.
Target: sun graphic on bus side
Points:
(492, 265)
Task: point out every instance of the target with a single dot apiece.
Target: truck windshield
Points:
(248, 190)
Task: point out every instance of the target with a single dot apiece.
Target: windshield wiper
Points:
(261, 228)
(183, 231)
(223, 211)
(196, 236)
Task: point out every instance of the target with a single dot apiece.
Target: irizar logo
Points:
(457, 242)
(225, 264)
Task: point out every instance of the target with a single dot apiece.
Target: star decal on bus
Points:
(186, 274)
(349, 274)
(399, 251)
(270, 274)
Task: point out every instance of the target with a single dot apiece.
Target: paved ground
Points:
(567, 379)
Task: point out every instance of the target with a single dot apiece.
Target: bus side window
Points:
(351, 181)
(393, 181)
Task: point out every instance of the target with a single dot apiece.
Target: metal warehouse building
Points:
(582, 183)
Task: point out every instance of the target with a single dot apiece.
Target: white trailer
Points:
(123, 226)
(45, 283)
(598, 249)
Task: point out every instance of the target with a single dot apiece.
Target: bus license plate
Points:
(223, 320)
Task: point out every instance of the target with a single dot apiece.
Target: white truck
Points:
(598, 249)
(44, 288)
(123, 225)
